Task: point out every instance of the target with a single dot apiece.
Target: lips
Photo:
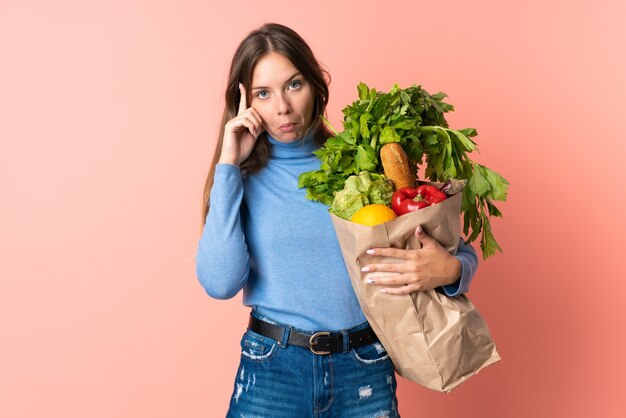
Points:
(287, 127)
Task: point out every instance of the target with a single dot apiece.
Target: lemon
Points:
(374, 214)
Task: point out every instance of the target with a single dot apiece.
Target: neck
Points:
(301, 147)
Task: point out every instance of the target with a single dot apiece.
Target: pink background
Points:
(108, 116)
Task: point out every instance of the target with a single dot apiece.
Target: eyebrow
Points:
(288, 80)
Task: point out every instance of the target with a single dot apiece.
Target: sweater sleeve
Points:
(469, 264)
(222, 260)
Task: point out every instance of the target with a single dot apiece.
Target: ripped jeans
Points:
(292, 382)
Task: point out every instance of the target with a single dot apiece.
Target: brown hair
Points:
(270, 37)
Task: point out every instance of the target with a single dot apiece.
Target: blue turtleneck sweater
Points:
(261, 235)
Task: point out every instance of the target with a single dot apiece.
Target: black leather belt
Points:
(322, 342)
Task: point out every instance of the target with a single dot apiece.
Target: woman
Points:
(309, 350)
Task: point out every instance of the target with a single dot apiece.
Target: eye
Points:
(295, 84)
(262, 94)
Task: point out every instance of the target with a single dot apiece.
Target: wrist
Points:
(455, 268)
(227, 160)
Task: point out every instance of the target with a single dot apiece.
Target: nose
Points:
(283, 104)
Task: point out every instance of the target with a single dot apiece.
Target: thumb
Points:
(426, 240)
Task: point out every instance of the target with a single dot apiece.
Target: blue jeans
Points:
(292, 382)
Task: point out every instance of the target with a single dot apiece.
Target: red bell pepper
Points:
(407, 199)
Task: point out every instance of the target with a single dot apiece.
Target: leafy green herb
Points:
(415, 119)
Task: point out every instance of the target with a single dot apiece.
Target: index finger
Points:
(243, 105)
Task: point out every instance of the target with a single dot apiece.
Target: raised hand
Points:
(241, 132)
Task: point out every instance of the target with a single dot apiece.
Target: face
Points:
(282, 97)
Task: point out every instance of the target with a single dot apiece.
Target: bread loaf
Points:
(396, 165)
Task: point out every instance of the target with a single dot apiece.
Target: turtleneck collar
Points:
(302, 147)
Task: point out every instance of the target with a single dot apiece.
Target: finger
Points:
(258, 118)
(395, 280)
(243, 102)
(254, 117)
(426, 240)
(250, 125)
(239, 122)
(388, 267)
(393, 252)
(404, 290)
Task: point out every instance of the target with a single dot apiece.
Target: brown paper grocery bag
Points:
(434, 340)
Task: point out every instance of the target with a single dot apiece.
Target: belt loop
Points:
(345, 337)
(285, 338)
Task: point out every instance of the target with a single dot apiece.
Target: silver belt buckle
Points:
(312, 342)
